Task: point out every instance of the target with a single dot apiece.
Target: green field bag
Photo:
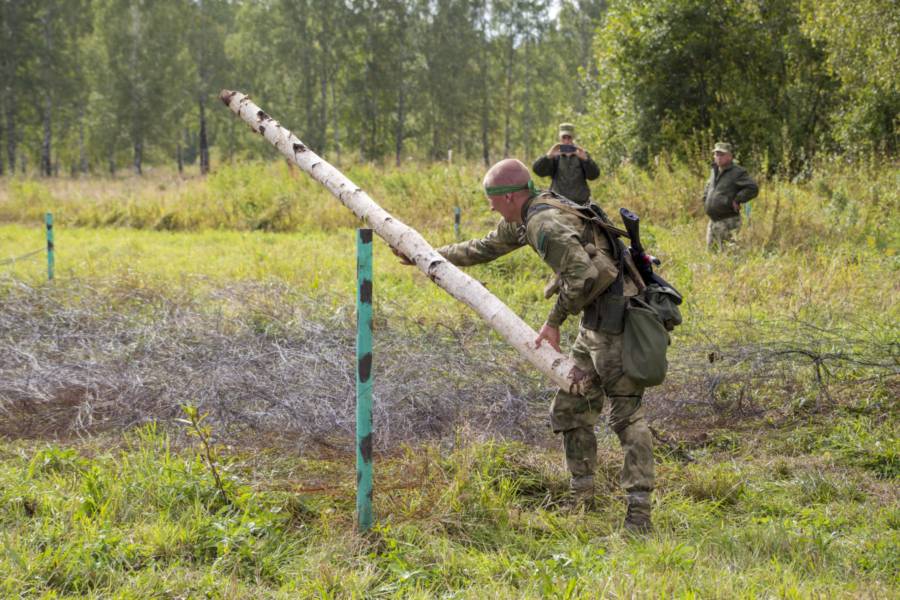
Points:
(664, 300)
(644, 344)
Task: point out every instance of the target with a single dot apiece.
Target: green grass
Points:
(794, 497)
(137, 518)
(804, 256)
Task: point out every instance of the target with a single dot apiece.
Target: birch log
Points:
(407, 240)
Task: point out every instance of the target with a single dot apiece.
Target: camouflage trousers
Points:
(720, 233)
(575, 416)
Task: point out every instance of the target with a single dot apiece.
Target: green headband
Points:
(499, 190)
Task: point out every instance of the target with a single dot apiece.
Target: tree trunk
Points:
(526, 109)
(408, 241)
(335, 110)
(11, 137)
(112, 162)
(507, 130)
(46, 164)
(401, 117)
(82, 151)
(1, 154)
(179, 158)
(323, 108)
(485, 115)
(204, 144)
(138, 157)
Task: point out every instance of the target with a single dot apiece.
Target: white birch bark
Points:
(407, 240)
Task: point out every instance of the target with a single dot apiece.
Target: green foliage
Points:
(859, 40)
(56, 460)
(678, 74)
(210, 454)
(144, 518)
(721, 485)
(97, 84)
(864, 443)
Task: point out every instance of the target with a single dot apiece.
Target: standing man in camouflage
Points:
(570, 166)
(591, 270)
(728, 187)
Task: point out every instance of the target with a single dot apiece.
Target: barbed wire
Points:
(14, 259)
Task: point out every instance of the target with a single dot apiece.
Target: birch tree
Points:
(206, 43)
(408, 241)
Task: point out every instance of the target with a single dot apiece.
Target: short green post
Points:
(48, 219)
(747, 210)
(364, 379)
(457, 214)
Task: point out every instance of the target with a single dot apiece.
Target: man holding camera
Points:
(570, 166)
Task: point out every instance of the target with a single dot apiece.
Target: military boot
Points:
(638, 518)
(582, 491)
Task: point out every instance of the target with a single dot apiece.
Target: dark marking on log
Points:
(365, 448)
(556, 363)
(298, 148)
(262, 116)
(365, 291)
(365, 235)
(226, 96)
(262, 130)
(365, 367)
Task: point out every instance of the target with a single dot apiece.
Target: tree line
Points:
(94, 85)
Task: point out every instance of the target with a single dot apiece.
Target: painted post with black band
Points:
(364, 379)
(48, 219)
(457, 215)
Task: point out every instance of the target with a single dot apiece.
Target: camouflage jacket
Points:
(505, 238)
(732, 184)
(570, 175)
(559, 237)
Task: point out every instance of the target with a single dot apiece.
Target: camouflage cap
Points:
(566, 129)
(722, 147)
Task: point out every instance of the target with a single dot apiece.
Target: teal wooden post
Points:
(48, 219)
(457, 213)
(364, 379)
(747, 210)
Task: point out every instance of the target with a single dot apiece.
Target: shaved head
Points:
(509, 171)
(508, 187)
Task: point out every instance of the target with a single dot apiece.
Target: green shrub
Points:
(721, 484)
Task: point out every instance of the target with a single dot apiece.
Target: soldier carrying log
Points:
(597, 277)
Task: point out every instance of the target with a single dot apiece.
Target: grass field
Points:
(778, 445)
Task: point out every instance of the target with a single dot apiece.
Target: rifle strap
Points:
(584, 213)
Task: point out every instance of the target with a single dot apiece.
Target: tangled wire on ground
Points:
(268, 363)
(254, 356)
